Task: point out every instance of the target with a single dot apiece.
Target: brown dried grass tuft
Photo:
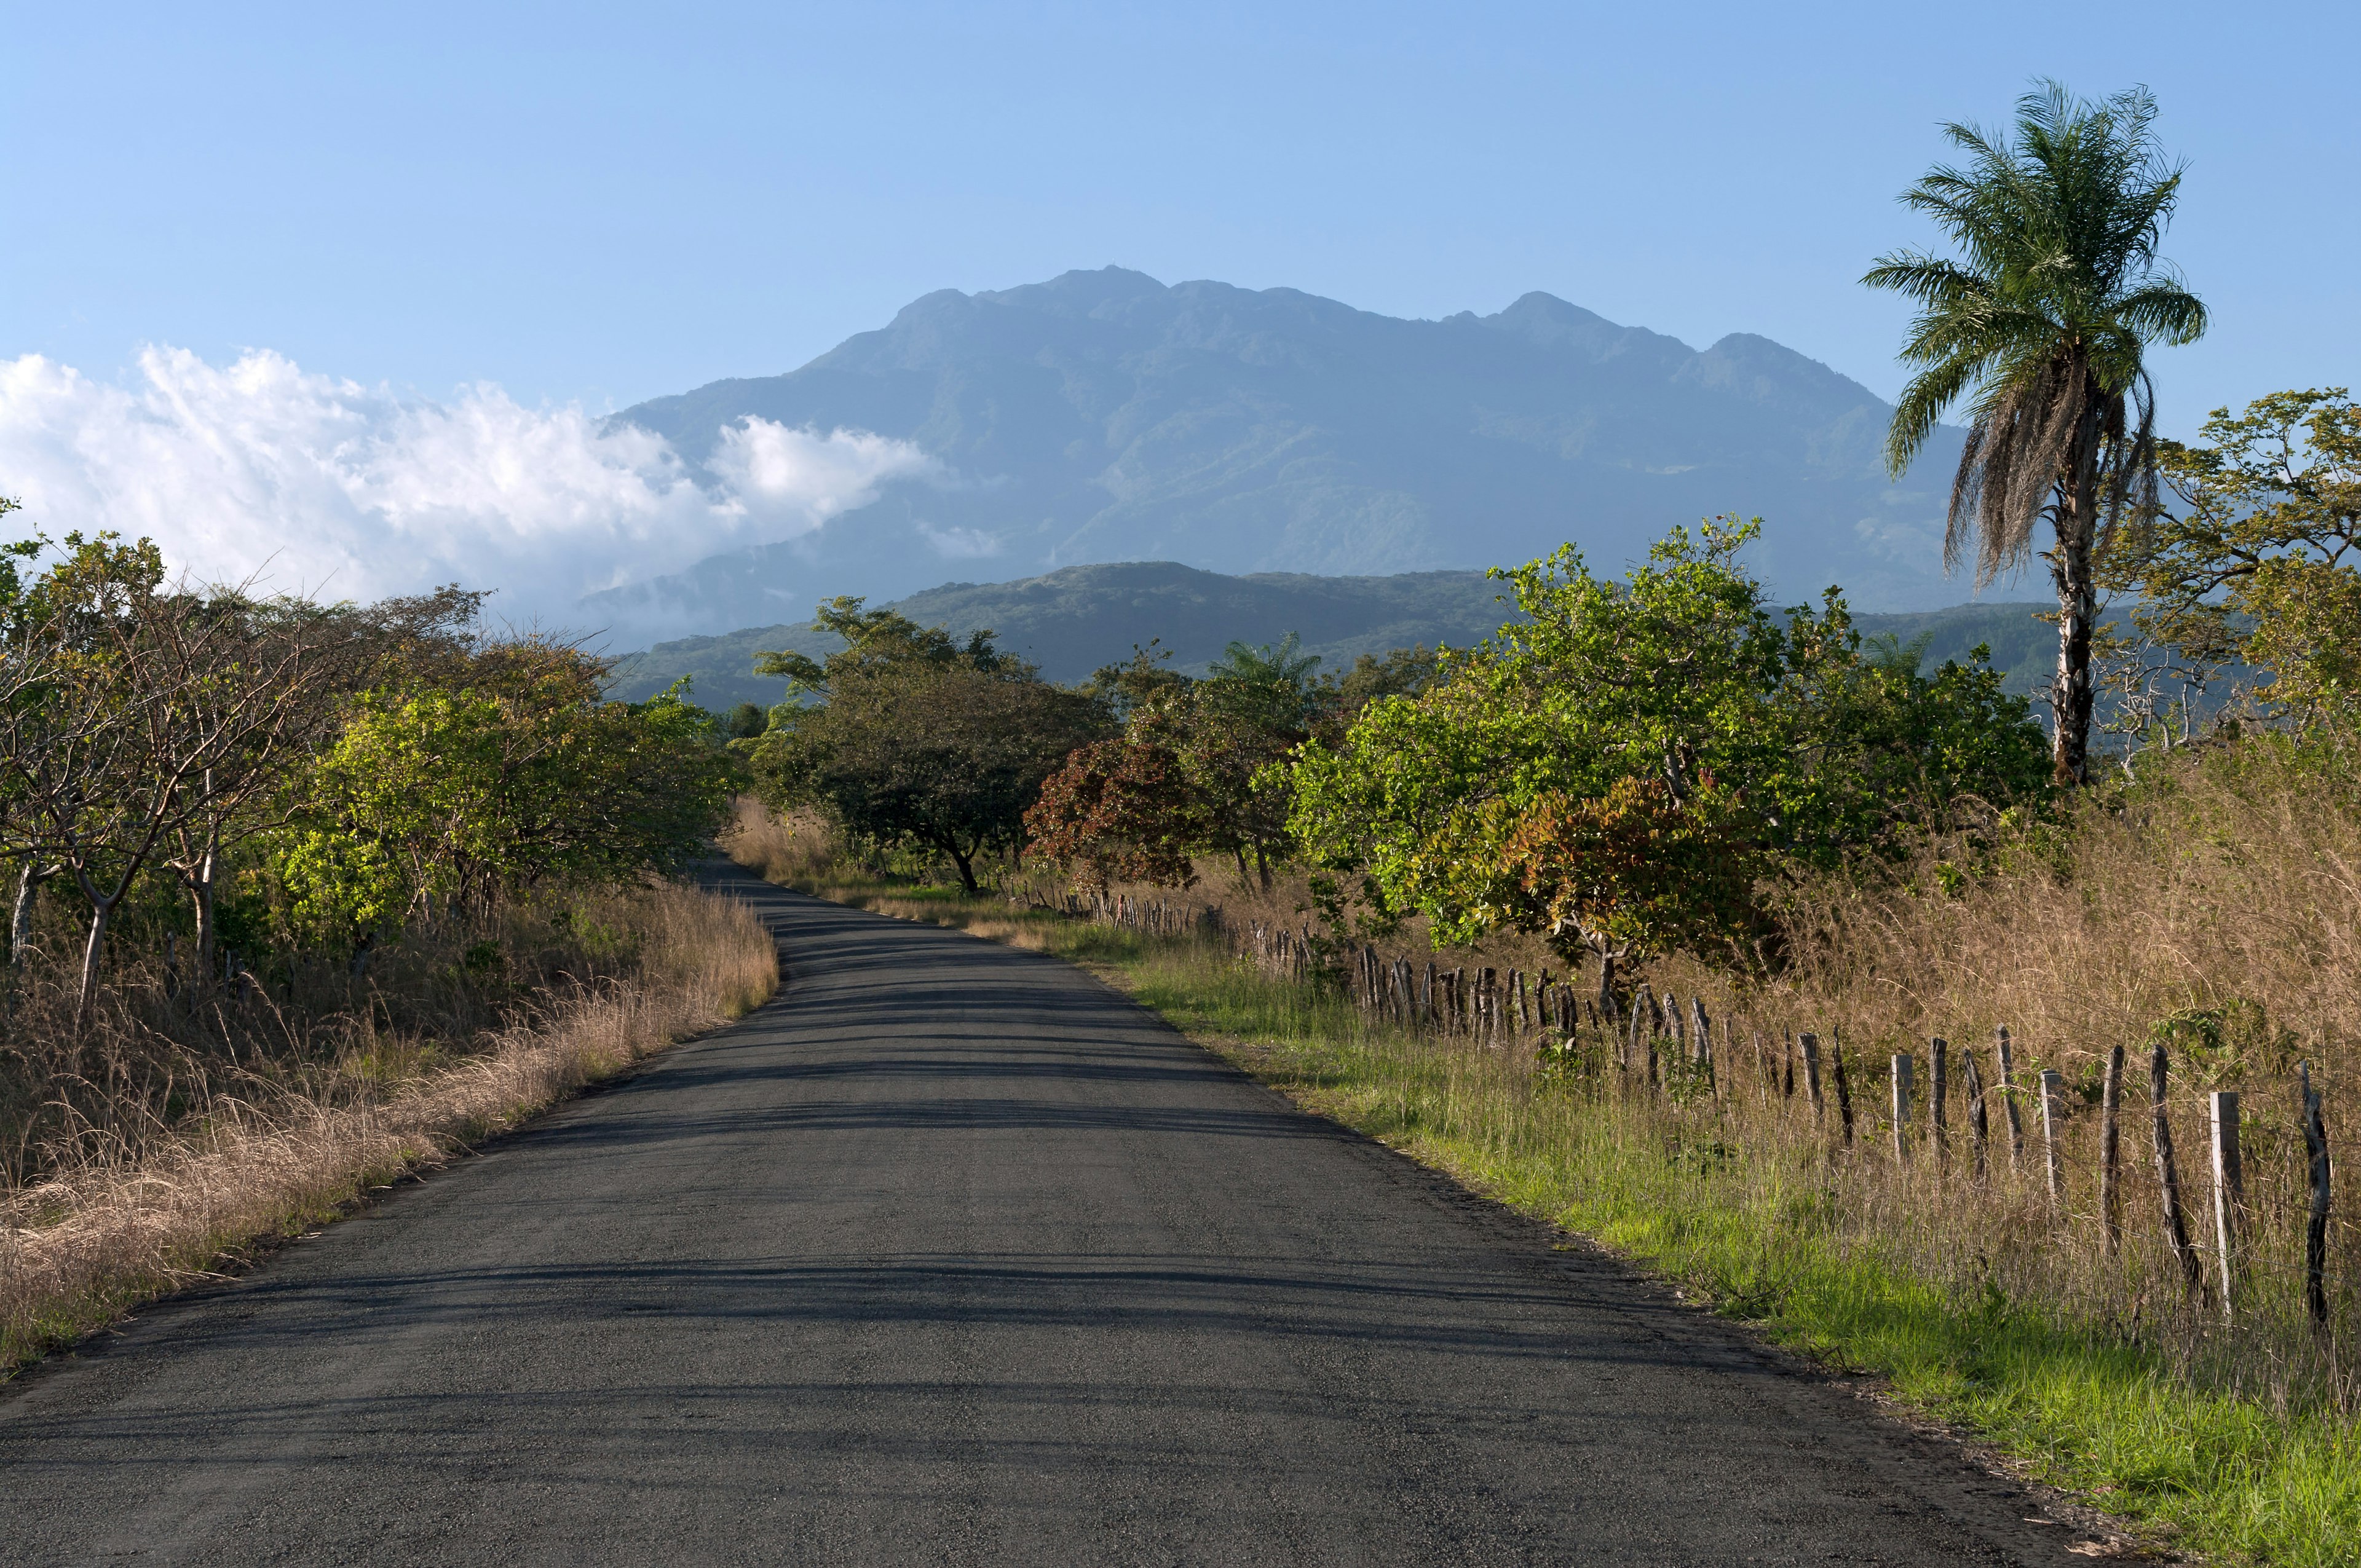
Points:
(90, 1236)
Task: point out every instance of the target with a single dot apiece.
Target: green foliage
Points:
(875, 640)
(1619, 770)
(1199, 768)
(498, 787)
(1142, 680)
(1403, 672)
(919, 739)
(2260, 560)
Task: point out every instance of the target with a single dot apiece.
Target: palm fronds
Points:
(2040, 322)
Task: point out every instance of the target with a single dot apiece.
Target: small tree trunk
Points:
(99, 913)
(966, 864)
(200, 894)
(20, 924)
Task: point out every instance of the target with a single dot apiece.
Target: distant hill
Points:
(1073, 620)
(1104, 417)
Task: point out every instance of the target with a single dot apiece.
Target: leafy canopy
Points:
(1619, 770)
(919, 739)
(2257, 557)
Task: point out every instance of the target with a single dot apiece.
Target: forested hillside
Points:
(1075, 621)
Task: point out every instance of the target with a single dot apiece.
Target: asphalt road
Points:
(951, 1255)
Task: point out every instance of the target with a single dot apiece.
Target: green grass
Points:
(1753, 1232)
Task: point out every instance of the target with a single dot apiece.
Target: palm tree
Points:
(2042, 323)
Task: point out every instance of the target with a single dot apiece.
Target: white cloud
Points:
(961, 543)
(331, 487)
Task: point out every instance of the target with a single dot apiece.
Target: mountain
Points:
(1105, 416)
(1072, 620)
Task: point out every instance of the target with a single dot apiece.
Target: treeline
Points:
(1618, 771)
(1638, 767)
(915, 742)
(221, 808)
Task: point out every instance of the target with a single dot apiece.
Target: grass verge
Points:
(87, 1244)
(1759, 1229)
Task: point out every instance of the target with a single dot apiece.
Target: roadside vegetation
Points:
(307, 896)
(1767, 868)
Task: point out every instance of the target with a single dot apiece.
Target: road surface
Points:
(951, 1255)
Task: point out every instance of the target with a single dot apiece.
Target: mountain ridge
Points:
(1105, 416)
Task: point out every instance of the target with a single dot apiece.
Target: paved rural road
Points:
(951, 1255)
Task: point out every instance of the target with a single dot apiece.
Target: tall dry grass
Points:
(2214, 909)
(112, 1215)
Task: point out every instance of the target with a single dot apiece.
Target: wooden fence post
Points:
(1646, 1017)
(1787, 1065)
(1902, 1108)
(2009, 1103)
(2111, 1100)
(2229, 1194)
(1971, 1083)
(1938, 1087)
(2315, 1230)
(1703, 1044)
(1812, 1079)
(2053, 1117)
(2168, 1177)
(1844, 1089)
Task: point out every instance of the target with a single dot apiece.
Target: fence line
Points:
(1664, 1048)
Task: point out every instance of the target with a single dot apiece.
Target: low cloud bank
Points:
(259, 469)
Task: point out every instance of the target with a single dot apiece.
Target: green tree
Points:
(2257, 557)
(1618, 771)
(145, 723)
(521, 777)
(2043, 322)
(874, 639)
(919, 739)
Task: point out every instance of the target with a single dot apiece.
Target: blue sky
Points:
(590, 205)
(606, 202)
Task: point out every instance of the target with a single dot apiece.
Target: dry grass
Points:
(128, 1219)
(2216, 910)
(791, 852)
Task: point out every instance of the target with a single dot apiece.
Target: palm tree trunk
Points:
(2072, 570)
(2070, 701)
